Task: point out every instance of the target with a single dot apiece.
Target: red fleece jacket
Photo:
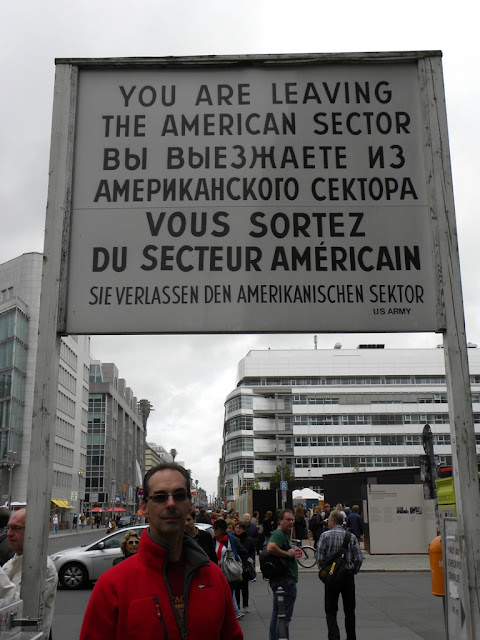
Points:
(132, 600)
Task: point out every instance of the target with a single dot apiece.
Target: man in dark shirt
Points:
(355, 522)
(203, 538)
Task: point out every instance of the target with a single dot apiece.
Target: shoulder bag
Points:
(333, 570)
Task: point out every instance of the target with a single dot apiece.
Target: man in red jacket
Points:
(169, 588)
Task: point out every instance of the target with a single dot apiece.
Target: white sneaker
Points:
(245, 610)
(240, 615)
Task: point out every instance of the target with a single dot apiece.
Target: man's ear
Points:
(143, 508)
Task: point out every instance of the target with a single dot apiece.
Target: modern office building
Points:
(20, 281)
(116, 442)
(329, 411)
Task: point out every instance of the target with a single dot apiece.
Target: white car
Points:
(79, 565)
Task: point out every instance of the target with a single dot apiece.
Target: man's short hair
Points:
(282, 513)
(173, 466)
(242, 524)
(337, 517)
(220, 524)
(4, 517)
(356, 508)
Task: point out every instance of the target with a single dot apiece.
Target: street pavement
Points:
(394, 602)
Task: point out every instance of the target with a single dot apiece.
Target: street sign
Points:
(140, 493)
(283, 485)
(219, 195)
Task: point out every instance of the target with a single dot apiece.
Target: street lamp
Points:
(11, 462)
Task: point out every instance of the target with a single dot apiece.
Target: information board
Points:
(454, 605)
(252, 198)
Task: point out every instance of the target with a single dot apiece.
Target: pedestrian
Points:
(11, 573)
(75, 521)
(226, 540)
(241, 588)
(201, 537)
(268, 526)
(169, 588)
(252, 530)
(279, 545)
(355, 522)
(315, 525)
(339, 507)
(128, 545)
(82, 521)
(330, 542)
(5, 552)
(55, 524)
(299, 530)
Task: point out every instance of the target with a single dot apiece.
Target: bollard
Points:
(282, 623)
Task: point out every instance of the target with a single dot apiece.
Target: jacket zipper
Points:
(159, 615)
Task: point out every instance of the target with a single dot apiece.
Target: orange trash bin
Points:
(436, 566)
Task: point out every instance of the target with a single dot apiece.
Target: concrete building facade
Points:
(330, 411)
(20, 281)
(116, 442)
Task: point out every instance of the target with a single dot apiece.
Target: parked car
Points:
(124, 521)
(78, 566)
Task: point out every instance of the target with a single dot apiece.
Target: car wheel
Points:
(73, 576)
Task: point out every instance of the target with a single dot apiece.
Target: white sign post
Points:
(245, 194)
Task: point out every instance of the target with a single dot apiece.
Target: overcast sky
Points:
(187, 378)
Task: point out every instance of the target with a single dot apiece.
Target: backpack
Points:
(273, 567)
(334, 569)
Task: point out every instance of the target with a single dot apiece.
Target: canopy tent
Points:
(306, 494)
(96, 510)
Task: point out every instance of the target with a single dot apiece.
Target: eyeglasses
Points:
(161, 497)
(133, 541)
(14, 527)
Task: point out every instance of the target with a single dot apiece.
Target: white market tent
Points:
(306, 494)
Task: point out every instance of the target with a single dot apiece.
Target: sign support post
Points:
(52, 302)
(464, 452)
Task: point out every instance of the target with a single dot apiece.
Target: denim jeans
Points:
(290, 588)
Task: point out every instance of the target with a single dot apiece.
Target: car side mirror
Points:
(101, 545)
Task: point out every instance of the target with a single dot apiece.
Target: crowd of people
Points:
(175, 572)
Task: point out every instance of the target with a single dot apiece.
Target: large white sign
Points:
(399, 518)
(250, 199)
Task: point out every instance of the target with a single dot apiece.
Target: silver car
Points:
(79, 565)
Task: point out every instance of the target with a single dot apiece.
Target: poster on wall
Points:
(400, 519)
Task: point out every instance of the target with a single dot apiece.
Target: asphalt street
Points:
(394, 600)
(397, 605)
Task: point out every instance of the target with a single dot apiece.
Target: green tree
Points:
(287, 474)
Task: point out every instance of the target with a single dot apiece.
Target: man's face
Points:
(190, 524)
(287, 523)
(167, 517)
(239, 530)
(247, 517)
(15, 536)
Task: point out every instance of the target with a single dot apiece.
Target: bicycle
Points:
(305, 554)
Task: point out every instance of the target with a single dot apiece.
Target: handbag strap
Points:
(342, 550)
